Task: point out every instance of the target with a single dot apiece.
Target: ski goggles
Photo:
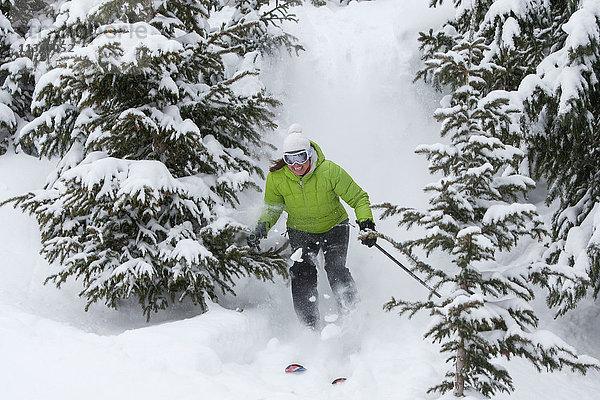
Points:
(299, 157)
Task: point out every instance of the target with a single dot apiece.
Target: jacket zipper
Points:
(303, 191)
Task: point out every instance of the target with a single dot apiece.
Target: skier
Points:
(308, 187)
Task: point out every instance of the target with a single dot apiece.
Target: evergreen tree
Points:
(157, 118)
(516, 35)
(549, 54)
(247, 29)
(563, 109)
(17, 69)
(8, 119)
(474, 214)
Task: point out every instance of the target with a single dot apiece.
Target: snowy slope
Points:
(352, 91)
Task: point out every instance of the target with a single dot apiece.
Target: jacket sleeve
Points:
(273, 204)
(345, 187)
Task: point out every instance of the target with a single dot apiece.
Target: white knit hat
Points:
(295, 128)
(296, 140)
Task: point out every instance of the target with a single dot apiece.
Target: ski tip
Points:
(293, 368)
(338, 380)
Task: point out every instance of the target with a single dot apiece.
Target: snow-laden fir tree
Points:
(549, 52)
(157, 118)
(516, 33)
(474, 214)
(17, 68)
(563, 112)
(8, 118)
(27, 15)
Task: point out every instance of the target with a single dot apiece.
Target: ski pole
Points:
(407, 270)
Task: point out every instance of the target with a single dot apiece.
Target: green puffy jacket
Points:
(312, 202)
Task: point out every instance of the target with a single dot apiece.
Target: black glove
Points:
(367, 225)
(260, 231)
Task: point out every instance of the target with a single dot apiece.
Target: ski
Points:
(297, 368)
(294, 368)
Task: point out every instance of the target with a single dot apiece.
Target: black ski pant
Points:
(334, 244)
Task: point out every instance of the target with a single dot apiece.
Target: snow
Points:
(331, 331)
(580, 238)
(132, 38)
(80, 9)
(468, 231)
(557, 72)
(191, 251)
(510, 30)
(136, 267)
(499, 212)
(16, 65)
(134, 176)
(486, 168)
(352, 91)
(437, 148)
(504, 7)
(297, 255)
(7, 116)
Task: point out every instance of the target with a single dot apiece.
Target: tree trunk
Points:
(459, 378)
(461, 356)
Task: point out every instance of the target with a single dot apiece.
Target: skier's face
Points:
(300, 169)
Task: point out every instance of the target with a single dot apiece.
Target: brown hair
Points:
(277, 165)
